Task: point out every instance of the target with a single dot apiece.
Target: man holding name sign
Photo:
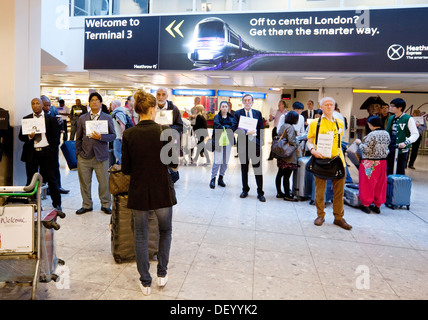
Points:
(328, 146)
(248, 124)
(40, 134)
(92, 153)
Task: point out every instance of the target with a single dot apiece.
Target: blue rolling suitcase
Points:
(351, 195)
(68, 149)
(398, 190)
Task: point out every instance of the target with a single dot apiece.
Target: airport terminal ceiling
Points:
(260, 81)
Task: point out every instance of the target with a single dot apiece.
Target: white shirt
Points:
(44, 141)
(300, 126)
(97, 115)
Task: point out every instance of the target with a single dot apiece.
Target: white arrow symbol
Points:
(176, 29)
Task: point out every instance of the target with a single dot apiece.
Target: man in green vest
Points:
(403, 131)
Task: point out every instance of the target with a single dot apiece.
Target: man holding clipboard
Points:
(248, 124)
(95, 130)
(327, 146)
(40, 134)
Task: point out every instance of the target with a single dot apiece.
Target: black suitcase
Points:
(68, 149)
(122, 231)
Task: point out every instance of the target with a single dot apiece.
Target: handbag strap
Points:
(285, 129)
(318, 129)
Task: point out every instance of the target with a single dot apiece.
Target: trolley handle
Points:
(32, 185)
(29, 190)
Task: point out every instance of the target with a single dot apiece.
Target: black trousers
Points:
(45, 162)
(245, 157)
(414, 152)
(401, 162)
(274, 131)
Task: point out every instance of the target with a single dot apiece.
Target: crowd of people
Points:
(136, 137)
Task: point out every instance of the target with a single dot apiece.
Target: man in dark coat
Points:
(249, 146)
(40, 151)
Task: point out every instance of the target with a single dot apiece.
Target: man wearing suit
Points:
(249, 146)
(49, 109)
(40, 151)
(92, 155)
(310, 113)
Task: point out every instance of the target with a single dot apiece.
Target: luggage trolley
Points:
(27, 250)
(19, 245)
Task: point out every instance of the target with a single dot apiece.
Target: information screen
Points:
(377, 40)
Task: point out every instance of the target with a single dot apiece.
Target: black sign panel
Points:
(382, 40)
(122, 43)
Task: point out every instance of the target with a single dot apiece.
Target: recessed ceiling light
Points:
(314, 78)
(219, 77)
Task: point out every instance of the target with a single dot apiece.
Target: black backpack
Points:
(128, 123)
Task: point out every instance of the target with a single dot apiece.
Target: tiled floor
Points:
(225, 247)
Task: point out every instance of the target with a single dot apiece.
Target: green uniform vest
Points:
(402, 129)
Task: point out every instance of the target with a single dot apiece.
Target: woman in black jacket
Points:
(201, 132)
(145, 159)
(222, 120)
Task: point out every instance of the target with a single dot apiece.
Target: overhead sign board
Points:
(376, 40)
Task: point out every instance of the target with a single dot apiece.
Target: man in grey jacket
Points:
(93, 155)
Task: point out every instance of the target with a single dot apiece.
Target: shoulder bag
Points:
(281, 149)
(328, 168)
(118, 181)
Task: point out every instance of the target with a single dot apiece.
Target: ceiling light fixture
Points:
(376, 91)
(314, 78)
(219, 77)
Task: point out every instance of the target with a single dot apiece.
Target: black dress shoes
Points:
(106, 210)
(261, 198)
(63, 191)
(244, 194)
(83, 210)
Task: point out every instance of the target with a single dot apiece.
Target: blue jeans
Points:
(117, 150)
(141, 238)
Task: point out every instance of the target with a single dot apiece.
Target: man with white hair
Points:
(332, 130)
(119, 120)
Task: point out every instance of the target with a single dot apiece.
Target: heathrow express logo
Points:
(396, 52)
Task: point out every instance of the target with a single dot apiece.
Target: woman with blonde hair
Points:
(151, 188)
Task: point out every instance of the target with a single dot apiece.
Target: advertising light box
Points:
(376, 40)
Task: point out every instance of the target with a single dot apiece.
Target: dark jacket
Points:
(201, 128)
(177, 122)
(87, 147)
(290, 135)
(256, 115)
(52, 135)
(150, 186)
(219, 123)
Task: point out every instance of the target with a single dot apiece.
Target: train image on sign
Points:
(214, 43)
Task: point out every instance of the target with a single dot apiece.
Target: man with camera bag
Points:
(324, 142)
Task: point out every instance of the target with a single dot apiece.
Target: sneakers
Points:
(148, 290)
(162, 281)
(145, 290)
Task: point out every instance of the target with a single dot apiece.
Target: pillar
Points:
(20, 63)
